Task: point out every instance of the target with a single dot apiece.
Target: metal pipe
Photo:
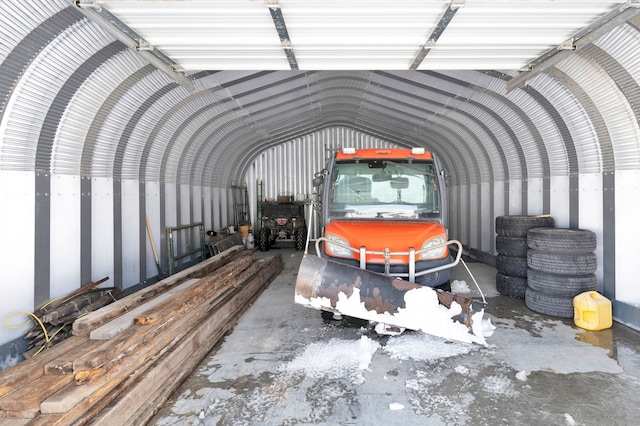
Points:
(552, 57)
(96, 13)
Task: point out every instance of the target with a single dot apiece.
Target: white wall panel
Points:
(486, 218)
(215, 202)
(65, 235)
(17, 198)
(535, 197)
(515, 197)
(153, 214)
(473, 214)
(102, 231)
(207, 210)
(560, 201)
(627, 236)
(500, 193)
(463, 212)
(170, 203)
(591, 213)
(130, 233)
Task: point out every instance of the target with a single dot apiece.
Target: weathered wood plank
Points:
(129, 340)
(187, 337)
(83, 326)
(74, 401)
(123, 322)
(134, 407)
(13, 422)
(63, 364)
(28, 398)
(232, 277)
(33, 368)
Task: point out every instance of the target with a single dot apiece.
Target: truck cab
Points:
(385, 210)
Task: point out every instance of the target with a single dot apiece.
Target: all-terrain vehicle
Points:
(282, 222)
(384, 235)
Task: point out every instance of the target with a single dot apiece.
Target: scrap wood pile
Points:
(55, 319)
(125, 360)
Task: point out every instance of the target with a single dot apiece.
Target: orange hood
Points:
(378, 235)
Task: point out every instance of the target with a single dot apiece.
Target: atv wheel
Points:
(263, 239)
(300, 236)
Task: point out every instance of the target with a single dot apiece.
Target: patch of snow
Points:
(522, 375)
(499, 385)
(314, 302)
(423, 347)
(461, 369)
(460, 286)
(422, 312)
(334, 359)
(394, 406)
(569, 420)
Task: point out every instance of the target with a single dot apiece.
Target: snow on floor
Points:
(424, 347)
(334, 359)
(460, 287)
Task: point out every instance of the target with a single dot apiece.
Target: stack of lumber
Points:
(56, 317)
(125, 360)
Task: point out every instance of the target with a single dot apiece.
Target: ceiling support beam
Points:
(437, 31)
(118, 29)
(608, 22)
(281, 28)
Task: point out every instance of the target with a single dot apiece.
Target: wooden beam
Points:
(83, 326)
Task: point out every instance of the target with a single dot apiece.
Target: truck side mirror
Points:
(318, 179)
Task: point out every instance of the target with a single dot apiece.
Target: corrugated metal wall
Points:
(94, 140)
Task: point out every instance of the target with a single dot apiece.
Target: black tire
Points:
(517, 226)
(559, 240)
(263, 239)
(562, 263)
(300, 237)
(549, 304)
(511, 246)
(512, 266)
(511, 286)
(561, 285)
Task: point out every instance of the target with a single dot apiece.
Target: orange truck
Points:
(384, 210)
(384, 251)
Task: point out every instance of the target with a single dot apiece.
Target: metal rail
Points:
(171, 246)
(387, 257)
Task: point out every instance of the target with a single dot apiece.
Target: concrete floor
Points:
(537, 370)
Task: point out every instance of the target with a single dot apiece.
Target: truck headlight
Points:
(335, 249)
(436, 252)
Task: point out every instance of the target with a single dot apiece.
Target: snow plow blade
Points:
(332, 286)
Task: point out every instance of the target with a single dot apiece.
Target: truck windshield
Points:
(384, 189)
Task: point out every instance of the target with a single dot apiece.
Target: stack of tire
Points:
(511, 245)
(562, 264)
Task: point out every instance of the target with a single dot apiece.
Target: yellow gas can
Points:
(592, 311)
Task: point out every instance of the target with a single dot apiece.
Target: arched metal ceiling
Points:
(75, 100)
